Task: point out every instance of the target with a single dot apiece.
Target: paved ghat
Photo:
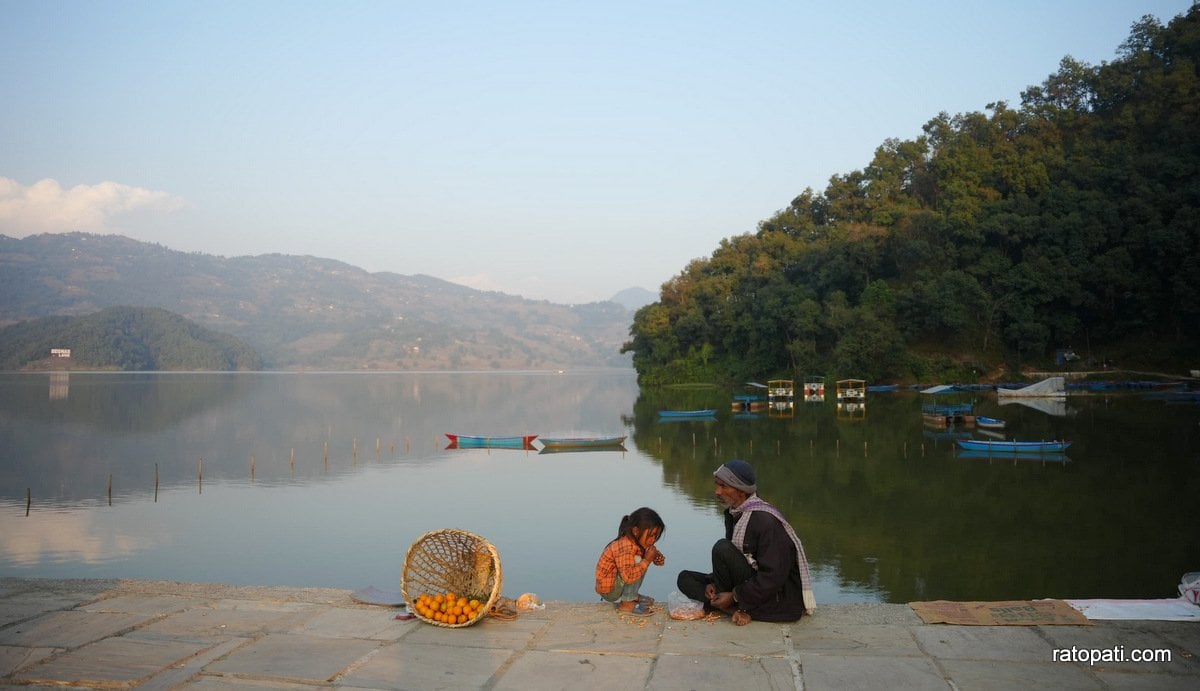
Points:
(155, 634)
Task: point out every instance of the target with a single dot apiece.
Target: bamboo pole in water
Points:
(110, 489)
(200, 477)
(28, 499)
(155, 483)
(251, 467)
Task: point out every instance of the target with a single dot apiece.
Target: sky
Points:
(556, 150)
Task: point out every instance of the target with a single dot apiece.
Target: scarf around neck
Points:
(752, 504)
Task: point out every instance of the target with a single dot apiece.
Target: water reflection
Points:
(325, 479)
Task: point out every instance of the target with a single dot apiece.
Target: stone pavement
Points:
(164, 635)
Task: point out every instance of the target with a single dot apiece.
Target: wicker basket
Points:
(453, 560)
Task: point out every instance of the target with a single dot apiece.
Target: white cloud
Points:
(45, 207)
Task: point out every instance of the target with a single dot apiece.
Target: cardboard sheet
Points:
(1008, 613)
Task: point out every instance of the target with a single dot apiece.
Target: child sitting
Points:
(625, 560)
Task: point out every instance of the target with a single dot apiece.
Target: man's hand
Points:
(723, 601)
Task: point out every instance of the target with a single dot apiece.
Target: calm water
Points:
(326, 479)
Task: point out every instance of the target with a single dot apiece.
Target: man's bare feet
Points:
(741, 618)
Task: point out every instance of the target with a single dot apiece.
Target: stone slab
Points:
(1005, 675)
(407, 665)
(117, 660)
(294, 658)
(680, 672)
(69, 629)
(535, 670)
(984, 642)
(13, 658)
(838, 672)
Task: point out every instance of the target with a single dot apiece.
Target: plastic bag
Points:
(1189, 587)
(680, 606)
(529, 601)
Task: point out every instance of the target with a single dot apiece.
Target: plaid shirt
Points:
(622, 556)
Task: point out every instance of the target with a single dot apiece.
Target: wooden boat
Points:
(581, 442)
(710, 412)
(467, 441)
(989, 422)
(1025, 447)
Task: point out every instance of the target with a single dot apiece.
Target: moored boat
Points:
(1024, 447)
(581, 442)
(989, 422)
(468, 441)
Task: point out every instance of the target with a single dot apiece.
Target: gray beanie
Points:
(738, 474)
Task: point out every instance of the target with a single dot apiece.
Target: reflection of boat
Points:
(994, 434)
(678, 414)
(989, 422)
(467, 441)
(1025, 447)
(879, 388)
(1014, 456)
(580, 442)
(814, 389)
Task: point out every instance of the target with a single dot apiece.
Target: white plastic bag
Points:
(1189, 587)
(680, 606)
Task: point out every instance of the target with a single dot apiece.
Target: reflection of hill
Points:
(916, 520)
(126, 424)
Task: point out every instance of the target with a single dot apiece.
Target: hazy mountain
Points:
(634, 298)
(306, 312)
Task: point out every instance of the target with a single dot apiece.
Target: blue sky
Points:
(556, 150)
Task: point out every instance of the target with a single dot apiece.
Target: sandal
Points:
(645, 600)
(639, 610)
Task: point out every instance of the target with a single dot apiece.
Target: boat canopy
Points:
(1052, 386)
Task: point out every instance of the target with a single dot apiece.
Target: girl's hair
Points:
(643, 519)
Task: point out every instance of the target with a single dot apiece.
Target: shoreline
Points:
(177, 635)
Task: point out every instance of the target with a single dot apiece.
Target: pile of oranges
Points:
(448, 608)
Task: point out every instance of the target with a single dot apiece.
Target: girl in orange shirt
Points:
(625, 560)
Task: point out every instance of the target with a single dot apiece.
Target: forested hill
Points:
(989, 241)
(303, 312)
(123, 338)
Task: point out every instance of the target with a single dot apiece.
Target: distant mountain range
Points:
(302, 312)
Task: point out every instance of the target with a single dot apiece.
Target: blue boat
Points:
(466, 441)
(1022, 447)
(989, 422)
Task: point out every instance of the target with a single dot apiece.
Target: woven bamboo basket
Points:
(452, 560)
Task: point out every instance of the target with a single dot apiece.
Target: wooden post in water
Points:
(251, 468)
(864, 449)
(778, 447)
(922, 449)
(155, 483)
(839, 447)
(200, 477)
(110, 489)
(354, 445)
(293, 461)
(28, 499)
(326, 454)
(906, 449)
(377, 448)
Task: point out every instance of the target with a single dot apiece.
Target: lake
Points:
(326, 479)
